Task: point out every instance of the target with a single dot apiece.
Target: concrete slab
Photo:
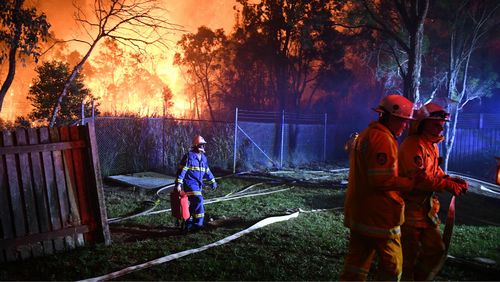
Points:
(145, 180)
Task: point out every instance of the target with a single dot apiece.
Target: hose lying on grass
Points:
(171, 257)
(231, 196)
(157, 201)
(228, 197)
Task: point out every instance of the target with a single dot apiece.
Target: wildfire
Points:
(134, 95)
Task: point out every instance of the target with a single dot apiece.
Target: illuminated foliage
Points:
(137, 24)
(21, 30)
(45, 91)
(285, 52)
(397, 27)
(201, 52)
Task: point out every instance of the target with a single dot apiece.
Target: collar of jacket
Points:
(431, 138)
(379, 126)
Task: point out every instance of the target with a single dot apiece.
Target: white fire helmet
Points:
(433, 111)
(396, 105)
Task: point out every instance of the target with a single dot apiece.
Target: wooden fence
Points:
(51, 196)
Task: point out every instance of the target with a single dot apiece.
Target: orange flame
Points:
(140, 99)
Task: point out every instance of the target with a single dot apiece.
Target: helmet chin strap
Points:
(198, 149)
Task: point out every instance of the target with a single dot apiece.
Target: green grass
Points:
(309, 247)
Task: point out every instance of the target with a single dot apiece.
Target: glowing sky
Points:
(188, 13)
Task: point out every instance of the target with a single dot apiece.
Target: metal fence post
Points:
(282, 137)
(83, 112)
(324, 139)
(235, 139)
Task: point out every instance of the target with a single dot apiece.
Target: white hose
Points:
(168, 258)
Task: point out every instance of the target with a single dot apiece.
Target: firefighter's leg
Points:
(192, 208)
(410, 240)
(390, 256)
(431, 254)
(359, 259)
(199, 212)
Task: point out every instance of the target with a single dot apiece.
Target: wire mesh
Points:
(129, 145)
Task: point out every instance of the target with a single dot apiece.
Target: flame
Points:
(140, 99)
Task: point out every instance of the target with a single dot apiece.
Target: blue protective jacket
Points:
(192, 170)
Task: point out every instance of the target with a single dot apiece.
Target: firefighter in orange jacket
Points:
(423, 247)
(373, 205)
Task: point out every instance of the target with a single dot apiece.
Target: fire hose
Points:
(228, 197)
(161, 260)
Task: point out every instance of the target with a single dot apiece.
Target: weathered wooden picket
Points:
(51, 196)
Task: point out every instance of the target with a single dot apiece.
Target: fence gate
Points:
(51, 196)
(271, 133)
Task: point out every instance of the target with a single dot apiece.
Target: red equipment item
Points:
(179, 204)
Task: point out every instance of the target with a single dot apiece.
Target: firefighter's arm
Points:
(383, 167)
(413, 164)
(209, 176)
(181, 172)
(211, 179)
(454, 185)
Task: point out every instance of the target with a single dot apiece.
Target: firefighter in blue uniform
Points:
(192, 170)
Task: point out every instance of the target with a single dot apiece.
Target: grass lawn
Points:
(309, 247)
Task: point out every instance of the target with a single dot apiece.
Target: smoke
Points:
(189, 14)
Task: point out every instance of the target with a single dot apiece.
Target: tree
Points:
(168, 103)
(21, 30)
(200, 56)
(133, 23)
(44, 94)
(469, 25)
(285, 49)
(399, 25)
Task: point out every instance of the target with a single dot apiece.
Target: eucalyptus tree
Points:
(286, 45)
(464, 28)
(398, 28)
(137, 24)
(200, 55)
(21, 30)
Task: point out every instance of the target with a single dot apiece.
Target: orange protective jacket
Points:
(418, 152)
(373, 205)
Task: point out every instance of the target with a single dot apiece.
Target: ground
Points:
(309, 247)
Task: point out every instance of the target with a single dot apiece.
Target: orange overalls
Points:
(423, 247)
(373, 206)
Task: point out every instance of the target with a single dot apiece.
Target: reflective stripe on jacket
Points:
(192, 170)
(417, 152)
(373, 204)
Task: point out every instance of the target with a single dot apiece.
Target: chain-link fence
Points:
(265, 140)
(128, 145)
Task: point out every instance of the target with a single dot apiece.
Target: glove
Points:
(214, 186)
(459, 180)
(178, 187)
(456, 187)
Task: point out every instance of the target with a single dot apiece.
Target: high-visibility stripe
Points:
(199, 215)
(180, 181)
(212, 180)
(377, 231)
(381, 171)
(193, 193)
(198, 168)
